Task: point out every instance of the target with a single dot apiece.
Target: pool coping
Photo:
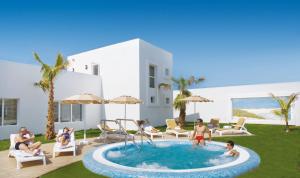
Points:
(111, 169)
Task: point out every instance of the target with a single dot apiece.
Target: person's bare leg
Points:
(202, 142)
(35, 145)
(25, 148)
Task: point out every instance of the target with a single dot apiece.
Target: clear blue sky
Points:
(228, 42)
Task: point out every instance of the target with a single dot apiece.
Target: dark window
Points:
(152, 76)
(95, 69)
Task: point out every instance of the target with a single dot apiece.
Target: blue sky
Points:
(228, 42)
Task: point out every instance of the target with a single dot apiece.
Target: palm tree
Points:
(285, 106)
(49, 73)
(182, 85)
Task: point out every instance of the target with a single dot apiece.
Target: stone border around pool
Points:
(97, 163)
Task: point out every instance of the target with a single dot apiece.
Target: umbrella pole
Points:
(125, 117)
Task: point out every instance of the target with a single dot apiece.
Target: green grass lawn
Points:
(279, 152)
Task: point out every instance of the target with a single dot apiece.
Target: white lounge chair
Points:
(22, 156)
(71, 147)
(173, 128)
(149, 130)
(238, 128)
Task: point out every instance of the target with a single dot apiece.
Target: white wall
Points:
(119, 73)
(222, 105)
(124, 71)
(17, 82)
(161, 59)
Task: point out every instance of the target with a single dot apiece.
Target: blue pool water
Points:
(169, 156)
(169, 159)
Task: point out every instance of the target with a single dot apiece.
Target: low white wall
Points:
(17, 82)
(222, 106)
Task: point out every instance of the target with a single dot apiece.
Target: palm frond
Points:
(293, 97)
(43, 84)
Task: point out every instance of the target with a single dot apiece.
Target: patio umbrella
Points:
(125, 100)
(85, 98)
(195, 99)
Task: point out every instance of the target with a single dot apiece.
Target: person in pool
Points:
(199, 132)
(230, 149)
(65, 137)
(25, 142)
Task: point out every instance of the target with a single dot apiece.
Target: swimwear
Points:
(17, 146)
(199, 138)
(66, 136)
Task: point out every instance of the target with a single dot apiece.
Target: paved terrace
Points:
(36, 169)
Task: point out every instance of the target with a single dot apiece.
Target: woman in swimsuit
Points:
(199, 132)
(65, 138)
(24, 141)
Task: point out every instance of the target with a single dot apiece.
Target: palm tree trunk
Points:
(50, 132)
(181, 118)
(287, 128)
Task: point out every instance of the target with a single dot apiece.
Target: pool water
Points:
(164, 155)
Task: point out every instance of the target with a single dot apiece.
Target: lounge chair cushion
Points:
(171, 123)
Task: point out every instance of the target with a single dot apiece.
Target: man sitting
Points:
(25, 142)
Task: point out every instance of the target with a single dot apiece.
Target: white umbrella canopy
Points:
(195, 99)
(85, 98)
(125, 100)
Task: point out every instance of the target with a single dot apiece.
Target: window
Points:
(152, 99)
(67, 112)
(95, 69)
(76, 112)
(167, 72)
(152, 76)
(167, 100)
(8, 111)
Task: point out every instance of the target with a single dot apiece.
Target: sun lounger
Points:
(173, 128)
(238, 128)
(71, 147)
(152, 132)
(22, 156)
(213, 124)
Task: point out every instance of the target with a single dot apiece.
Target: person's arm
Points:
(193, 137)
(71, 130)
(209, 133)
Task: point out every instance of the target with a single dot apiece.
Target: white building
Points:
(134, 68)
(224, 99)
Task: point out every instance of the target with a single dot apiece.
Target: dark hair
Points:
(66, 128)
(231, 143)
(199, 120)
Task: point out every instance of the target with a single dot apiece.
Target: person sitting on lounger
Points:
(25, 142)
(230, 151)
(199, 132)
(65, 137)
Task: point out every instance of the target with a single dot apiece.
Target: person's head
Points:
(199, 121)
(66, 129)
(230, 145)
(23, 131)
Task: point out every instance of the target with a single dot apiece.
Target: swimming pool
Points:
(172, 158)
